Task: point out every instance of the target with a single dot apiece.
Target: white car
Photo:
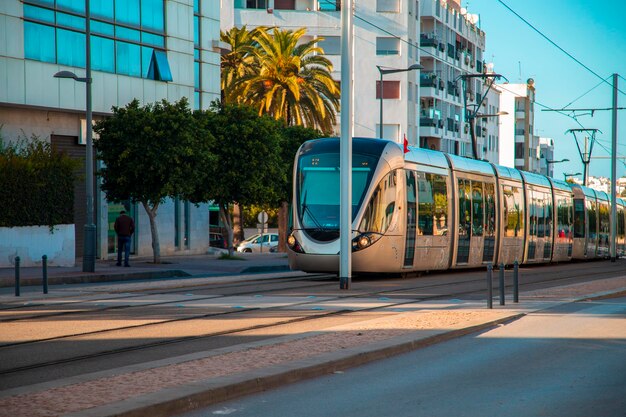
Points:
(257, 242)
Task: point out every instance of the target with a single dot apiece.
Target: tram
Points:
(427, 210)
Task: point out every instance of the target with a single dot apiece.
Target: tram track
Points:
(533, 277)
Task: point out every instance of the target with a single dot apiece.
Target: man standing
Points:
(124, 227)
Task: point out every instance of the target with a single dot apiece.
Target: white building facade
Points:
(141, 49)
(519, 147)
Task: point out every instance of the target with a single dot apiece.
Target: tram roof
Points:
(561, 185)
(602, 195)
(589, 192)
(508, 173)
(427, 157)
(536, 179)
(471, 165)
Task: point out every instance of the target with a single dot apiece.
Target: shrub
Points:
(36, 184)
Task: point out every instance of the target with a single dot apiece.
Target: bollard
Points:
(44, 265)
(17, 276)
(501, 284)
(489, 287)
(516, 282)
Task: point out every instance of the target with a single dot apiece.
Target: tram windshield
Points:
(318, 191)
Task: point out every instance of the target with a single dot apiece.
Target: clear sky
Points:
(594, 32)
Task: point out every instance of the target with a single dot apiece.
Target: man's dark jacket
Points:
(124, 226)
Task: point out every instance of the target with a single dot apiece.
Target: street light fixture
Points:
(382, 72)
(556, 162)
(565, 175)
(471, 116)
(89, 241)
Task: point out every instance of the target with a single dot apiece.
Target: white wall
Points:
(32, 242)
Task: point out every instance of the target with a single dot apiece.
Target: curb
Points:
(205, 393)
(93, 278)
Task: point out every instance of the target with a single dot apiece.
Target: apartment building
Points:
(140, 49)
(453, 47)
(523, 152)
(546, 161)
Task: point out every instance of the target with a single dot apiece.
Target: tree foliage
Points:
(151, 153)
(36, 183)
(248, 164)
(281, 76)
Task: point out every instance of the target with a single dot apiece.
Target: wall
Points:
(32, 242)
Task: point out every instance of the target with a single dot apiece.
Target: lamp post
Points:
(89, 243)
(549, 162)
(382, 72)
(566, 175)
(470, 116)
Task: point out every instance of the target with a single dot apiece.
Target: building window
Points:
(388, 6)
(285, 4)
(331, 45)
(519, 151)
(197, 63)
(329, 5)
(124, 34)
(391, 89)
(256, 4)
(387, 46)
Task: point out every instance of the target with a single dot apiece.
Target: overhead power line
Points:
(587, 92)
(554, 43)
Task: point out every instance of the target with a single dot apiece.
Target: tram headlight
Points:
(364, 240)
(293, 244)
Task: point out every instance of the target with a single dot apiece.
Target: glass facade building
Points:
(127, 36)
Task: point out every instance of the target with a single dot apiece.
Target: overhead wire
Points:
(587, 92)
(554, 43)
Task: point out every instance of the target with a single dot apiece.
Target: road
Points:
(566, 361)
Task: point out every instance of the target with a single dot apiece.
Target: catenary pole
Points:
(345, 186)
(614, 173)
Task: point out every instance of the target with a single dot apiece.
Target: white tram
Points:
(427, 210)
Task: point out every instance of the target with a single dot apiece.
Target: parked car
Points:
(217, 240)
(254, 243)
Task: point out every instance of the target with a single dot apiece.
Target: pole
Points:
(89, 245)
(44, 278)
(516, 282)
(345, 186)
(489, 286)
(501, 284)
(380, 90)
(585, 163)
(17, 276)
(614, 173)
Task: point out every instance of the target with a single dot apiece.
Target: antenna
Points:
(519, 64)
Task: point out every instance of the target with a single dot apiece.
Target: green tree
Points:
(292, 138)
(151, 153)
(290, 80)
(248, 159)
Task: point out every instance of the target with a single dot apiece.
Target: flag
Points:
(406, 144)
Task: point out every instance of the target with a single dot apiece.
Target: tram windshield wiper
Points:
(307, 210)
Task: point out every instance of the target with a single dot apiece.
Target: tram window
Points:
(540, 212)
(440, 197)
(579, 218)
(620, 222)
(519, 204)
(604, 223)
(490, 210)
(593, 219)
(563, 217)
(477, 208)
(464, 207)
(547, 210)
(425, 204)
(380, 209)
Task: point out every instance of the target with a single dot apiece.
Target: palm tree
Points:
(293, 80)
(239, 62)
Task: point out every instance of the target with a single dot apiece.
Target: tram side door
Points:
(471, 222)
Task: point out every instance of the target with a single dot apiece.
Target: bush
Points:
(36, 184)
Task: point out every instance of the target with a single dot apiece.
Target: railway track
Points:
(210, 319)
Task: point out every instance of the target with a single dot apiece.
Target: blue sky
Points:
(594, 32)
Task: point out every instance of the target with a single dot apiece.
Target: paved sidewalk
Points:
(175, 385)
(143, 268)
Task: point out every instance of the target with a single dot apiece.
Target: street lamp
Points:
(556, 162)
(565, 175)
(471, 116)
(384, 71)
(89, 242)
(471, 120)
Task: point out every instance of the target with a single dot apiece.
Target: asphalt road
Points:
(567, 361)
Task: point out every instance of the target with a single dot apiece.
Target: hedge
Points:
(36, 185)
